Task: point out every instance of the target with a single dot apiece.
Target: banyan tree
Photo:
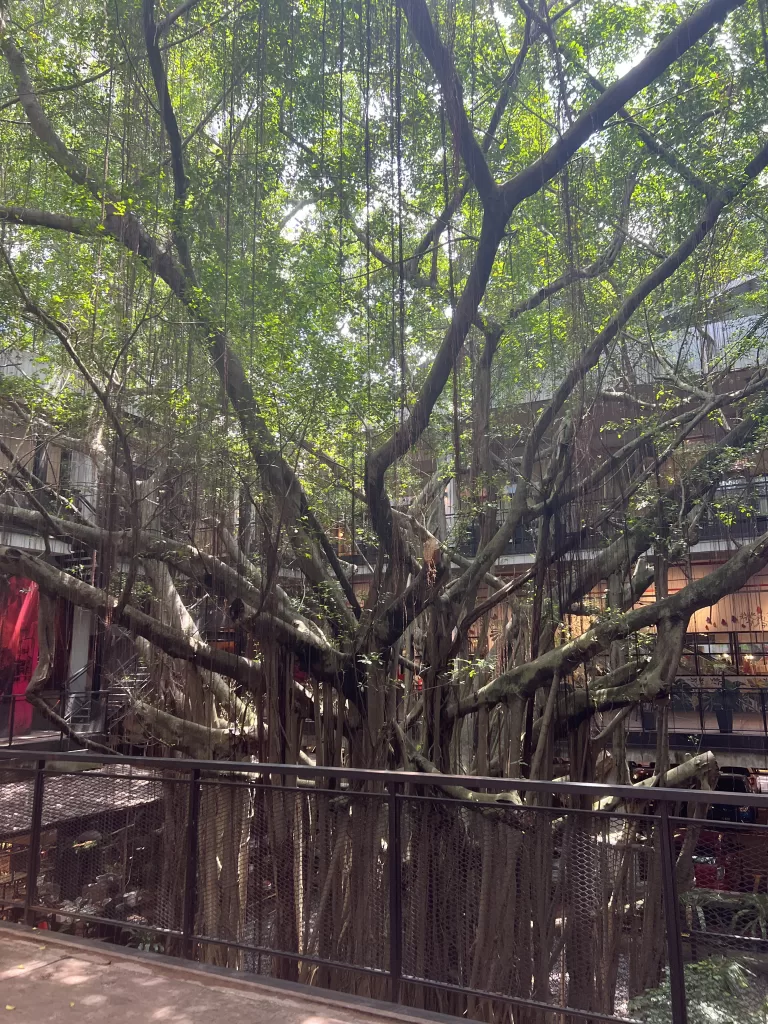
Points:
(318, 309)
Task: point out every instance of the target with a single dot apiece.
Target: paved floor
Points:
(51, 983)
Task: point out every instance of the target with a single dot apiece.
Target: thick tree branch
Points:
(524, 680)
(701, 767)
(410, 754)
(406, 435)
(43, 219)
(166, 24)
(439, 57)
(175, 144)
(213, 575)
(573, 706)
(653, 145)
(433, 233)
(201, 740)
(19, 563)
(672, 47)
(648, 140)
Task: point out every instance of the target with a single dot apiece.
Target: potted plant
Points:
(683, 696)
(723, 701)
(648, 717)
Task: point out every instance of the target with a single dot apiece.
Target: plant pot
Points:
(724, 719)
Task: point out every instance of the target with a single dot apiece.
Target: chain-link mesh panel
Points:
(538, 904)
(553, 906)
(106, 850)
(16, 797)
(723, 893)
(292, 870)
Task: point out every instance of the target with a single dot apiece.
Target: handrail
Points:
(472, 782)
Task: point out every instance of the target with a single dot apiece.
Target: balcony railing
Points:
(466, 536)
(21, 723)
(731, 722)
(585, 903)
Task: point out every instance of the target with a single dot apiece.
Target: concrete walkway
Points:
(50, 980)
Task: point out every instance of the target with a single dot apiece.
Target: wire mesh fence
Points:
(556, 903)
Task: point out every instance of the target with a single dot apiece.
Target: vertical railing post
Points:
(395, 893)
(190, 874)
(11, 718)
(762, 709)
(33, 853)
(672, 918)
(702, 721)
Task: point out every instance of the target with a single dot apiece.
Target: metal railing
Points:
(707, 718)
(21, 722)
(464, 532)
(558, 902)
(733, 695)
(710, 709)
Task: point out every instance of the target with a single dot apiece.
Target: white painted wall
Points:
(82, 625)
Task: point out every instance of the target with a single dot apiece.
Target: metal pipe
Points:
(33, 853)
(11, 719)
(595, 790)
(672, 918)
(394, 854)
(190, 876)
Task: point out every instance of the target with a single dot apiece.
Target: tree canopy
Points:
(280, 274)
